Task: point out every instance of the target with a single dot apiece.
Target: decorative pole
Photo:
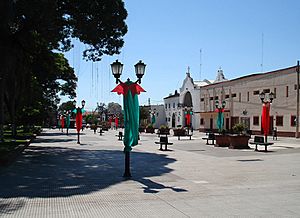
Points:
(62, 122)
(68, 121)
(79, 111)
(188, 113)
(220, 118)
(266, 113)
(130, 91)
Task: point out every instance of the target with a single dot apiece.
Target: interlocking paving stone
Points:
(55, 177)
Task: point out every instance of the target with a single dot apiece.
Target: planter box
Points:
(164, 131)
(141, 129)
(179, 132)
(222, 141)
(149, 130)
(239, 141)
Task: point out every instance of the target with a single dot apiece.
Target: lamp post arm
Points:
(138, 81)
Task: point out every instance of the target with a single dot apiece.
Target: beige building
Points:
(244, 105)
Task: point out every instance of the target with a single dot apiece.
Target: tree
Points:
(114, 108)
(32, 32)
(144, 115)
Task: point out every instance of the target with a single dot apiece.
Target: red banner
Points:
(265, 116)
(188, 119)
(116, 122)
(62, 122)
(78, 120)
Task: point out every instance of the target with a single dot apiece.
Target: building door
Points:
(227, 123)
(173, 120)
(234, 120)
(246, 122)
(211, 124)
(271, 125)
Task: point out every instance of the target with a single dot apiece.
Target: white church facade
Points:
(241, 96)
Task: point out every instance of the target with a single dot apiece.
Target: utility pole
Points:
(297, 116)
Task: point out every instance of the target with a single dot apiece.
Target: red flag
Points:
(78, 121)
(265, 118)
(116, 122)
(109, 120)
(62, 122)
(123, 89)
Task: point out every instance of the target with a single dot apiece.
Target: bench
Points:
(259, 140)
(120, 135)
(211, 137)
(163, 140)
(188, 135)
(275, 134)
(100, 131)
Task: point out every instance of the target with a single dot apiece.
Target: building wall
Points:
(160, 116)
(171, 109)
(243, 102)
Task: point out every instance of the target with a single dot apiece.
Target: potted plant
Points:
(150, 128)
(164, 129)
(239, 140)
(222, 140)
(179, 131)
(142, 128)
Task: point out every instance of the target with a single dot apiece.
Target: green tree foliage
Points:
(66, 106)
(144, 115)
(114, 108)
(91, 119)
(33, 32)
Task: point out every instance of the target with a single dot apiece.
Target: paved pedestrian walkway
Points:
(55, 177)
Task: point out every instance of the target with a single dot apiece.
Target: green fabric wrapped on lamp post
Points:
(130, 91)
(220, 117)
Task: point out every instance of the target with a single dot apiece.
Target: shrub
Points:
(239, 128)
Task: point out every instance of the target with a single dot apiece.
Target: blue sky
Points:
(167, 35)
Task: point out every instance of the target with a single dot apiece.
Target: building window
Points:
(240, 97)
(233, 95)
(202, 99)
(226, 96)
(211, 98)
(174, 105)
(247, 96)
(256, 92)
(166, 106)
(169, 119)
(274, 92)
(216, 97)
(287, 91)
(169, 105)
(256, 121)
(266, 90)
(279, 120)
(201, 121)
(178, 119)
(293, 120)
(166, 119)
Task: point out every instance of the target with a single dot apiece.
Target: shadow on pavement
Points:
(43, 140)
(151, 186)
(47, 172)
(60, 133)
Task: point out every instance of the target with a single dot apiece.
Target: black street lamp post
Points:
(266, 112)
(188, 111)
(117, 68)
(220, 111)
(79, 112)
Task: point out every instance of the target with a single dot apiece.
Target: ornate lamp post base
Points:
(127, 173)
(78, 141)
